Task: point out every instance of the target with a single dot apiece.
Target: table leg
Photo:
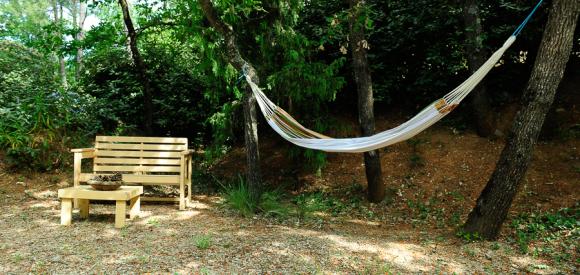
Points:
(84, 208)
(135, 207)
(120, 214)
(66, 212)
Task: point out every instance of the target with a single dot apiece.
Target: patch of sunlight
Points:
(363, 222)
(410, 257)
(46, 223)
(187, 215)
(145, 214)
(306, 259)
(170, 232)
(198, 205)
(276, 247)
(242, 233)
(152, 220)
(109, 232)
(522, 260)
(44, 204)
(188, 268)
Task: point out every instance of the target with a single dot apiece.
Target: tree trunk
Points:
(82, 13)
(362, 76)
(493, 204)
(57, 18)
(141, 68)
(482, 112)
(254, 180)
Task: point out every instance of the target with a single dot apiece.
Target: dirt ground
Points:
(435, 181)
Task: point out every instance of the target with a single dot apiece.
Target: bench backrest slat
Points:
(150, 155)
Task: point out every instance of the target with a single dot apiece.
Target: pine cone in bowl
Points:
(106, 182)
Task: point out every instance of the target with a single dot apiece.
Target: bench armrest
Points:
(82, 150)
(84, 153)
(187, 152)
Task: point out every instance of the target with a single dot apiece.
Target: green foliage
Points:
(202, 241)
(560, 227)
(310, 203)
(36, 118)
(300, 49)
(238, 197)
(468, 236)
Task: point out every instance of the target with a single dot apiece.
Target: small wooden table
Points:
(85, 193)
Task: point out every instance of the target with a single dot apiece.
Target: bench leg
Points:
(66, 212)
(135, 207)
(84, 208)
(120, 214)
(189, 193)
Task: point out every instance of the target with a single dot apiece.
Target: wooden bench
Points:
(142, 161)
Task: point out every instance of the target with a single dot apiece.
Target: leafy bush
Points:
(37, 120)
(237, 197)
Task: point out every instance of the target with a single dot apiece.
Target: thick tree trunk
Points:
(482, 112)
(253, 172)
(495, 200)
(362, 75)
(141, 68)
(62, 65)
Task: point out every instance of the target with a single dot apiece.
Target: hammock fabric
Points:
(294, 132)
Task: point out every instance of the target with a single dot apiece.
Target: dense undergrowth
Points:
(38, 120)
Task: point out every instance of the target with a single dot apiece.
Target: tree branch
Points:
(213, 18)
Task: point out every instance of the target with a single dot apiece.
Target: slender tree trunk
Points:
(482, 111)
(362, 76)
(82, 12)
(57, 19)
(141, 67)
(495, 200)
(253, 172)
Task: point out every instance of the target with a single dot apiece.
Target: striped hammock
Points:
(294, 132)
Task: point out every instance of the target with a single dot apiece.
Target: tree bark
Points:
(253, 173)
(493, 204)
(82, 16)
(57, 19)
(482, 111)
(141, 68)
(362, 76)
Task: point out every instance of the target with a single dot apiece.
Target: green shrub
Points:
(202, 242)
(237, 196)
(37, 119)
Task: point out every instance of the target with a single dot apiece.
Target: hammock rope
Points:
(290, 129)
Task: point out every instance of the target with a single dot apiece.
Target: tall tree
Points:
(362, 76)
(58, 12)
(141, 67)
(480, 104)
(253, 172)
(79, 15)
(495, 200)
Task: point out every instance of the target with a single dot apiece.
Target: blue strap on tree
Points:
(243, 73)
(521, 27)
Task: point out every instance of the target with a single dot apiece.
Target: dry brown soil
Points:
(445, 176)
